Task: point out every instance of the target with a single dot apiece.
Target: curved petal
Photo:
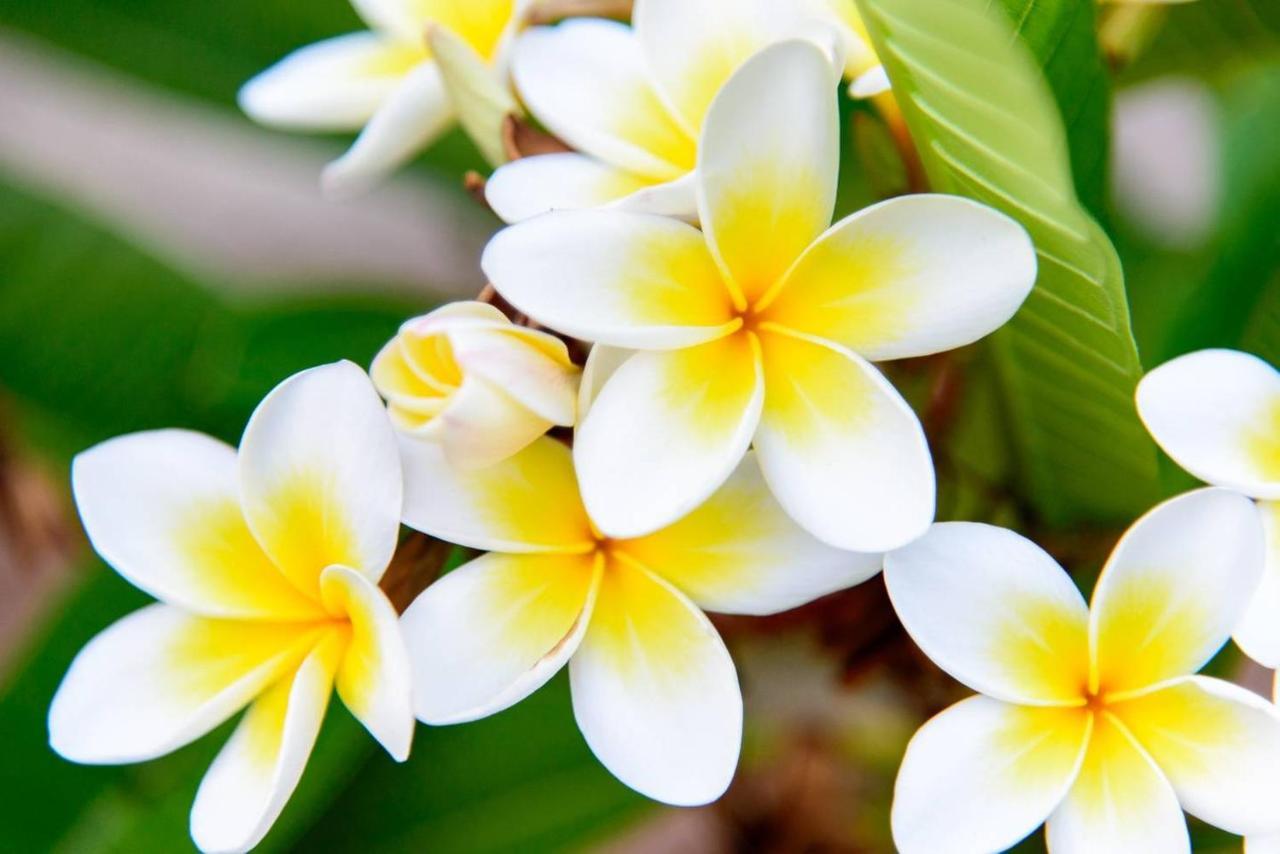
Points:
(527, 503)
(666, 431)
(678, 198)
(482, 425)
(908, 277)
(992, 609)
(740, 553)
(373, 677)
(246, 788)
(1258, 633)
(982, 774)
(1120, 802)
(333, 85)
(874, 81)
(655, 692)
(531, 367)
(161, 678)
(411, 118)
(767, 164)
(1217, 413)
(492, 632)
(844, 453)
(1173, 590)
(586, 81)
(1218, 744)
(320, 476)
(630, 280)
(602, 363)
(567, 180)
(163, 508)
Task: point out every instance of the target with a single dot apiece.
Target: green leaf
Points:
(986, 127)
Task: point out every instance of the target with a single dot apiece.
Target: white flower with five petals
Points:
(1089, 717)
(758, 328)
(266, 565)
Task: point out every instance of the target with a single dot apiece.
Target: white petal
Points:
(1120, 802)
(1173, 590)
(161, 678)
(910, 276)
(665, 432)
(373, 677)
(625, 279)
(870, 83)
(409, 120)
(492, 632)
(678, 198)
(333, 85)
(992, 609)
(983, 774)
(249, 783)
(527, 503)
(655, 692)
(1217, 413)
(531, 367)
(479, 94)
(740, 553)
(482, 425)
(841, 449)
(1218, 744)
(565, 181)
(767, 164)
(586, 81)
(1259, 631)
(602, 363)
(163, 508)
(320, 475)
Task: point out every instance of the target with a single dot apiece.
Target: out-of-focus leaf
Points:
(481, 100)
(1211, 39)
(986, 127)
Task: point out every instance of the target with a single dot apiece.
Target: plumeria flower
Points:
(758, 328)
(633, 101)
(266, 564)
(1089, 717)
(654, 689)
(383, 81)
(1217, 413)
(467, 377)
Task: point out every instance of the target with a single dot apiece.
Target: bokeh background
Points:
(163, 262)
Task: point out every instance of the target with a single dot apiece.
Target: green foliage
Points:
(986, 128)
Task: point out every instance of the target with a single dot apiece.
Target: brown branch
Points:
(418, 561)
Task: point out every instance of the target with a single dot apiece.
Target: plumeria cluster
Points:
(729, 445)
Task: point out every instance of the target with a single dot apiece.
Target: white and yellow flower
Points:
(632, 101)
(758, 329)
(1217, 413)
(1089, 717)
(384, 81)
(266, 565)
(483, 387)
(654, 689)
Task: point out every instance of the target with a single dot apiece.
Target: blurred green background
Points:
(125, 305)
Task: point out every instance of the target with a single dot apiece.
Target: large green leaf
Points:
(986, 127)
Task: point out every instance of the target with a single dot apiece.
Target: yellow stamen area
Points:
(1039, 742)
(1045, 645)
(211, 655)
(1263, 441)
(479, 23)
(308, 530)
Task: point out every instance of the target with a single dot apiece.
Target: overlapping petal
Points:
(983, 774)
(767, 164)
(665, 431)
(527, 503)
(1217, 413)
(320, 476)
(842, 451)
(625, 279)
(1258, 633)
(547, 182)
(493, 631)
(739, 553)
(163, 508)
(908, 277)
(655, 692)
(994, 610)
(161, 678)
(1174, 589)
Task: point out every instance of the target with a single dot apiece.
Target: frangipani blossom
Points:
(758, 329)
(1089, 717)
(655, 692)
(483, 387)
(1217, 413)
(632, 101)
(266, 564)
(383, 81)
